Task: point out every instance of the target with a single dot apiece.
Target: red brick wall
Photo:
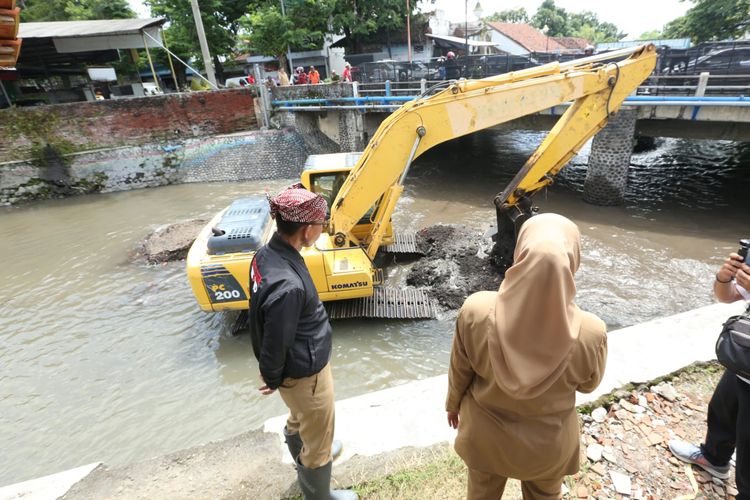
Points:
(137, 121)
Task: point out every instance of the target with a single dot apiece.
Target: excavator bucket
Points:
(510, 218)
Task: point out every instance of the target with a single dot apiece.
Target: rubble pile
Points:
(625, 453)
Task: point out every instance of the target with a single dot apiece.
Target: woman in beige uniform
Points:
(519, 356)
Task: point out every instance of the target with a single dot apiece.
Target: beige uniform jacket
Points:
(525, 439)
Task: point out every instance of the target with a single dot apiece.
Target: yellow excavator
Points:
(363, 189)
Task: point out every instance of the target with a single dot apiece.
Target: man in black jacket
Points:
(291, 338)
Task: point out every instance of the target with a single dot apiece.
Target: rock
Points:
(731, 490)
(609, 455)
(599, 414)
(582, 492)
(703, 477)
(171, 242)
(666, 391)
(599, 469)
(594, 452)
(717, 481)
(642, 401)
(655, 438)
(621, 482)
(674, 461)
(565, 490)
(631, 407)
(621, 394)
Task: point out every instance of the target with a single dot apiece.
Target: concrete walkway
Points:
(376, 427)
(413, 414)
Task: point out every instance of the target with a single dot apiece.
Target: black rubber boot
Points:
(316, 484)
(293, 442)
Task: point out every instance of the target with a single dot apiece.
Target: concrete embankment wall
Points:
(251, 155)
(105, 146)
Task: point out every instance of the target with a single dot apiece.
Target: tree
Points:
(650, 35)
(555, 18)
(220, 21)
(584, 24)
(510, 16)
(360, 19)
(75, 10)
(711, 20)
(303, 27)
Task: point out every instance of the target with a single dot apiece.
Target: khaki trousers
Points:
(485, 486)
(311, 413)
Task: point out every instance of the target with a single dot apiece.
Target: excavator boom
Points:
(595, 86)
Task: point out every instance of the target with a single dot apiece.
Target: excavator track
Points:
(403, 243)
(386, 303)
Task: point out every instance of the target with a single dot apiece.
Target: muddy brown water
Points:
(103, 359)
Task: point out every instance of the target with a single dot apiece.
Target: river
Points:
(104, 359)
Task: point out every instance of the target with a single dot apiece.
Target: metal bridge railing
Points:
(658, 90)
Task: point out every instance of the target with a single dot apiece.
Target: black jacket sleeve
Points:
(281, 314)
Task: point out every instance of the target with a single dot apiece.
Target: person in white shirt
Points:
(729, 409)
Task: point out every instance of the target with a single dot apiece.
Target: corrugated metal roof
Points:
(461, 41)
(74, 29)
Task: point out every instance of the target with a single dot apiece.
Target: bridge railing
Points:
(660, 90)
(683, 85)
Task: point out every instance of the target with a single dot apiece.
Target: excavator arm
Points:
(595, 86)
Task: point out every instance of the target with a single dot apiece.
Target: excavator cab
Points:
(325, 174)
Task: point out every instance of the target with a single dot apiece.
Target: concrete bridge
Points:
(697, 107)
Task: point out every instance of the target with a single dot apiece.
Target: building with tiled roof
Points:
(572, 43)
(522, 38)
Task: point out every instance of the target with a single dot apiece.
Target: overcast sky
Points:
(632, 17)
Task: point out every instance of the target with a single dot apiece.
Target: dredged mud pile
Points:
(456, 264)
(170, 242)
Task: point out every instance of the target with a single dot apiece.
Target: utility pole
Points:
(207, 62)
(466, 27)
(288, 50)
(408, 28)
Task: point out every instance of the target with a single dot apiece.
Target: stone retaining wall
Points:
(243, 156)
(609, 161)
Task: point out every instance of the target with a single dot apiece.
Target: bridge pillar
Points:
(352, 135)
(607, 175)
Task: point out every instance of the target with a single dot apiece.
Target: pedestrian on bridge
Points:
(283, 78)
(313, 76)
(519, 355)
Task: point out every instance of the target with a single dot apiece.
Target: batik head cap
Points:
(297, 204)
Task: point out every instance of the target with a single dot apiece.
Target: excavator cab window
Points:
(328, 186)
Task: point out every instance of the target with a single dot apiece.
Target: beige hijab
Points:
(536, 321)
